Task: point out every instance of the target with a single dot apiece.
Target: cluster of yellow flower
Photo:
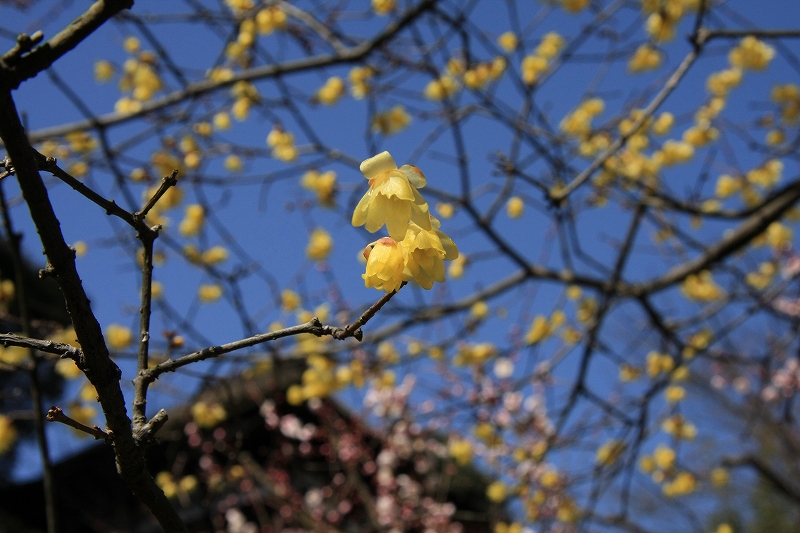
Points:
(383, 7)
(701, 287)
(646, 57)
(787, 97)
(416, 248)
(282, 144)
(193, 220)
(392, 121)
(331, 91)
(139, 77)
(542, 328)
(762, 278)
(8, 434)
(208, 415)
(663, 16)
(323, 184)
(323, 377)
(661, 466)
(608, 453)
(537, 61)
(320, 245)
(172, 487)
(578, 124)
(266, 21)
(118, 337)
(244, 95)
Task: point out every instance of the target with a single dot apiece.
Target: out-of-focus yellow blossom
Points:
(321, 183)
(701, 287)
(331, 91)
(239, 6)
(479, 310)
(629, 372)
(131, 45)
(532, 67)
(204, 129)
(392, 121)
(496, 491)
(663, 123)
(282, 144)
(609, 452)
(208, 415)
(787, 97)
(767, 175)
(67, 369)
(778, 236)
(645, 58)
(436, 353)
(680, 374)
(193, 220)
(659, 363)
(549, 478)
(683, 483)
(578, 124)
(481, 74)
(675, 152)
(775, 137)
(574, 292)
(214, 255)
(720, 83)
(7, 290)
(125, 106)
(550, 45)
(700, 134)
(761, 279)
(751, 54)
(103, 71)
(475, 354)
(539, 330)
(387, 353)
(219, 74)
(290, 300)
(720, 477)
(13, 355)
(222, 121)
(270, 19)
(209, 292)
(84, 414)
(508, 41)
(415, 348)
(157, 290)
(392, 198)
(241, 109)
(441, 88)
(724, 528)
(574, 6)
(456, 268)
(679, 427)
(8, 434)
(674, 393)
(425, 252)
(383, 7)
(664, 457)
(444, 210)
(78, 169)
(118, 337)
(710, 110)
(320, 245)
(359, 81)
(727, 186)
(586, 310)
(233, 163)
(514, 207)
(385, 265)
(661, 26)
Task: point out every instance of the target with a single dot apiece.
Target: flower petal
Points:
(414, 175)
(375, 165)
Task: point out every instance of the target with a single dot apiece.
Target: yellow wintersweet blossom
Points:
(103, 71)
(573, 292)
(479, 310)
(778, 236)
(13, 355)
(270, 19)
(727, 186)
(774, 137)
(320, 244)
(214, 255)
(664, 457)
(67, 369)
(392, 198)
(222, 121)
(539, 330)
(645, 58)
(701, 287)
(441, 88)
(679, 427)
(720, 83)
(456, 268)
(609, 452)
(290, 300)
(767, 175)
(384, 265)
(719, 477)
(658, 363)
(445, 210)
(508, 41)
(424, 253)
(586, 310)
(383, 7)
(700, 134)
(532, 66)
(675, 152)
(233, 163)
(674, 393)
(282, 144)
(683, 483)
(392, 121)
(496, 491)
(663, 123)
(193, 220)
(515, 207)
(85, 414)
(578, 123)
(751, 54)
(629, 373)
(131, 45)
(208, 415)
(574, 6)
(761, 279)
(359, 81)
(8, 434)
(661, 26)
(787, 97)
(209, 292)
(331, 91)
(321, 183)
(118, 337)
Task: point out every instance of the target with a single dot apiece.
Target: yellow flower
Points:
(479, 310)
(192, 221)
(8, 434)
(208, 415)
(67, 369)
(751, 54)
(222, 121)
(674, 393)
(384, 265)
(532, 65)
(720, 477)
(445, 210)
(701, 287)
(323, 184)
(331, 91)
(608, 453)
(13, 355)
(461, 451)
(425, 252)
(103, 71)
(508, 41)
(726, 186)
(661, 27)
(392, 198)
(209, 292)
(359, 81)
(663, 123)
(646, 57)
(539, 330)
(441, 88)
(282, 144)
(131, 45)
(720, 83)
(551, 44)
(392, 121)
(233, 163)
(514, 207)
(319, 245)
(684, 483)
(214, 255)
(629, 373)
(383, 7)
(496, 491)
(779, 237)
(118, 337)
(767, 175)
(270, 19)
(675, 152)
(664, 457)
(679, 427)
(290, 300)
(658, 363)
(574, 6)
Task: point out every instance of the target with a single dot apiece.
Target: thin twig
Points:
(56, 414)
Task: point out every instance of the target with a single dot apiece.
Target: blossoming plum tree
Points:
(621, 178)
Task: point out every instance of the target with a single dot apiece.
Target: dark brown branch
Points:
(766, 472)
(56, 414)
(354, 329)
(55, 348)
(166, 183)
